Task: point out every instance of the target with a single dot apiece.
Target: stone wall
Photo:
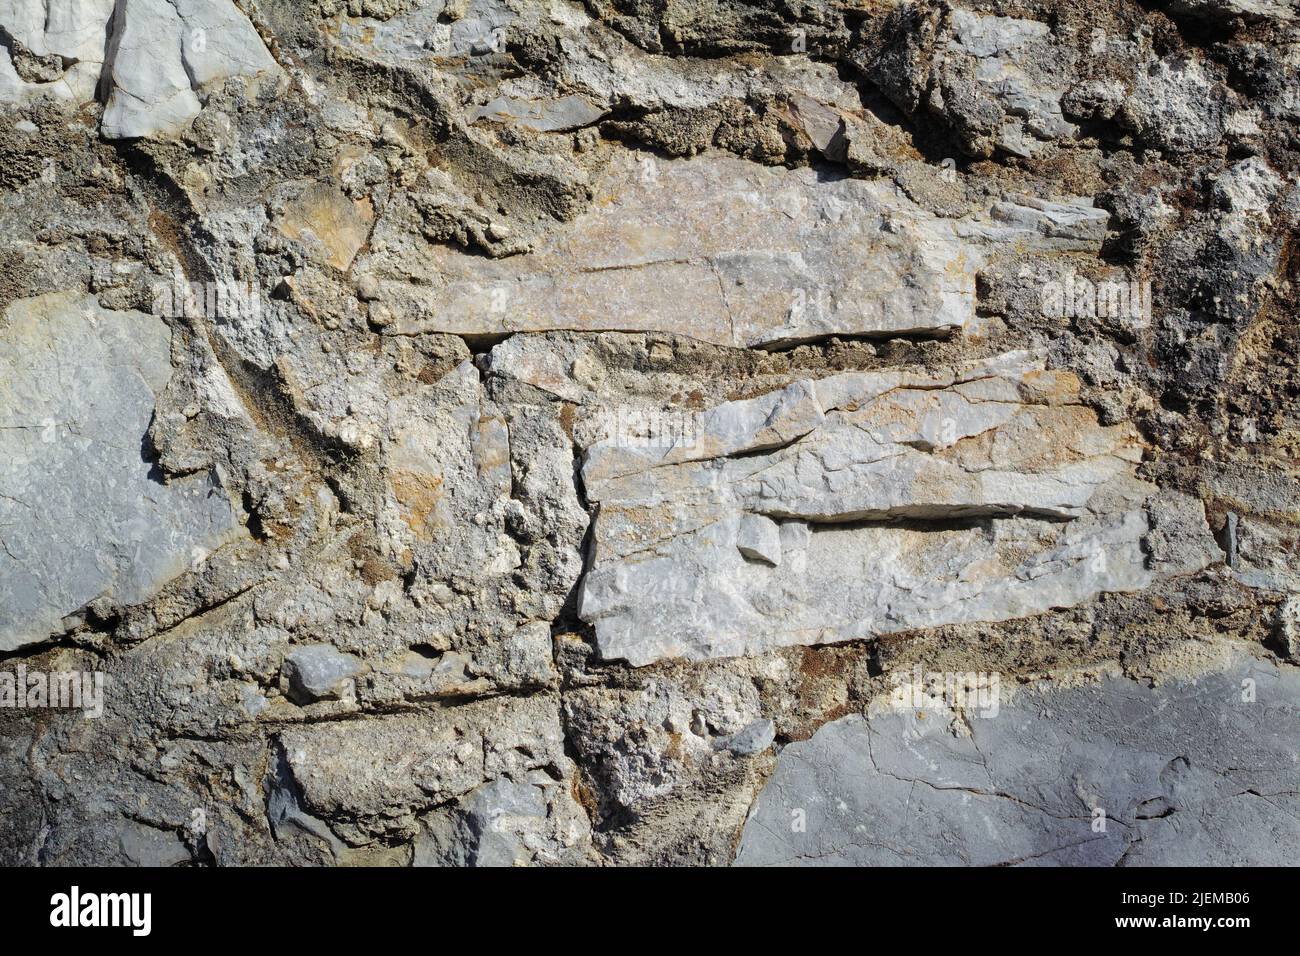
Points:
(686, 432)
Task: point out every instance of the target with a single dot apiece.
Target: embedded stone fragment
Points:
(148, 846)
(899, 499)
(1010, 63)
(1192, 771)
(151, 89)
(84, 515)
(759, 539)
(331, 226)
(753, 739)
(1228, 10)
(317, 671)
(1286, 628)
(1077, 225)
(506, 823)
(1176, 104)
(447, 461)
(641, 744)
(528, 654)
(378, 774)
(1177, 542)
(565, 113)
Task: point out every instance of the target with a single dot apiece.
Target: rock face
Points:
(1228, 10)
(316, 671)
(443, 757)
(164, 51)
(84, 515)
(1115, 773)
(1011, 63)
(862, 504)
(537, 432)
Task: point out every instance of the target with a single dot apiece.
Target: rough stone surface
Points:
(714, 248)
(509, 432)
(71, 32)
(754, 739)
(318, 670)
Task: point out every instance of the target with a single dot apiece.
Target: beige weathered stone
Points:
(729, 253)
(328, 223)
(714, 248)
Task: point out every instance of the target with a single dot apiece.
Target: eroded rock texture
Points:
(509, 432)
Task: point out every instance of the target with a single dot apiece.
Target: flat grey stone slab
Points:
(82, 516)
(1192, 772)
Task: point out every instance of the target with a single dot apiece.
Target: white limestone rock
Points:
(154, 56)
(151, 91)
(75, 30)
(165, 53)
(218, 41)
(759, 539)
(901, 500)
